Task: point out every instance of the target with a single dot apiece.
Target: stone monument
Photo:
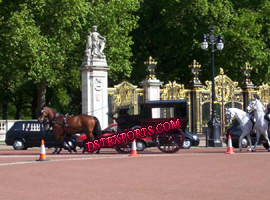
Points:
(95, 78)
(152, 86)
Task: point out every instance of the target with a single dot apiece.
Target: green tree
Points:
(116, 20)
(44, 41)
(171, 32)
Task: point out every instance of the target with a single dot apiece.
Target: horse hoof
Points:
(54, 152)
(58, 152)
(240, 149)
(248, 150)
(253, 150)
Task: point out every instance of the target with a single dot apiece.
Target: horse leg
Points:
(240, 142)
(241, 138)
(249, 142)
(74, 149)
(60, 144)
(55, 150)
(56, 147)
(257, 140)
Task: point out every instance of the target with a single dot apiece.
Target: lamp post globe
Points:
(219, 44)
(204, 44)
(214, 123)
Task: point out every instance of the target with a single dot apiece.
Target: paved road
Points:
(196, 173)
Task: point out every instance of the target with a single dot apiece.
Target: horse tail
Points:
(97, 129)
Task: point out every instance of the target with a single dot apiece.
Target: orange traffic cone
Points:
(133, 149)
(229, 148)
(42, 152)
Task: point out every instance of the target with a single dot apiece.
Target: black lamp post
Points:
(214, 123)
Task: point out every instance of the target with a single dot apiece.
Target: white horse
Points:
(261, 124)
(245, 123)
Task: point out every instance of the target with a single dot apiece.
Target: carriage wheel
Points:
(124, 148)
(170, 142)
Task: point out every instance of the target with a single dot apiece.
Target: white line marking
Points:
(99, 157)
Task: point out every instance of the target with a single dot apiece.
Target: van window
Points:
(18, 126)
(34, 127)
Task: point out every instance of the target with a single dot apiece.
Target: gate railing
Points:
(198, 95)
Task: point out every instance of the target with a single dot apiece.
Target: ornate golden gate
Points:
(125, 94)
(228, 94)
(175, 91)
(198, 96)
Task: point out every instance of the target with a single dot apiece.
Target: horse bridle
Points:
(253, 108)
(228, 116)
(42, 118)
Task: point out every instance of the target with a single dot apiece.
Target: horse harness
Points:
(64, 123)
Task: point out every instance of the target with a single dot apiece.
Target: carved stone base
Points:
(89, 60)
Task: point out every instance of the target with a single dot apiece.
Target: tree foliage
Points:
(43, 42)
(173, 31)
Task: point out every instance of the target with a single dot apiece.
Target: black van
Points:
(24, 134)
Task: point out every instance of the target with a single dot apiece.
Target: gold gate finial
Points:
(221, 71)
(247, 83)
(151, 66)
(195, 70)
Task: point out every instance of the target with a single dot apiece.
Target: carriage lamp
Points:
(214, 123)
(151, 66)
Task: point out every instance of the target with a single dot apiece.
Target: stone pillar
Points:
(152, 89)
(95, 87)
(95, 92)
(95, 78)
(151, 86)
(152, 93)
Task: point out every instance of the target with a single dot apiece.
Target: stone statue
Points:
(95, 44)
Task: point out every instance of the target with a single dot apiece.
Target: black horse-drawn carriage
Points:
(161, 122)
(161, 116)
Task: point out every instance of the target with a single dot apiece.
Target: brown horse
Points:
(67, 125)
